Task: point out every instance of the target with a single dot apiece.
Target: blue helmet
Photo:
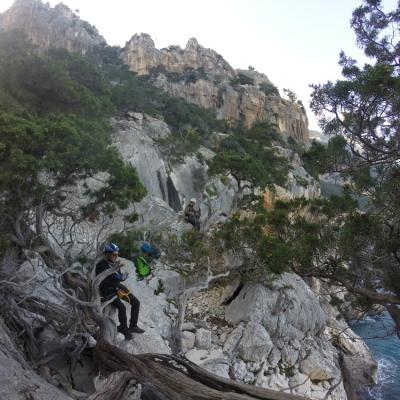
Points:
(111, 248)
(147, 248)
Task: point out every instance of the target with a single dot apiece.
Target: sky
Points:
(295, 43)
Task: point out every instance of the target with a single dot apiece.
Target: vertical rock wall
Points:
(51, 27)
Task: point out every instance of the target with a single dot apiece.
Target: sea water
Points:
(379, 335)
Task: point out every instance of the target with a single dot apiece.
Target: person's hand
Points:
(124, 276)
(121, 276)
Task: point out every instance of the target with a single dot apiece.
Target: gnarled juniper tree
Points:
(363, 108)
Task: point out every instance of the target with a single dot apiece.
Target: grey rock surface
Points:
(203, 339)
(287, 309)
(255, 344)
(233, 340)
(17, 379)
(208, 81)
(188, 339)
(49, 27)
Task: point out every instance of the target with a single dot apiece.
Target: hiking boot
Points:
(125, 332)
(135, 329)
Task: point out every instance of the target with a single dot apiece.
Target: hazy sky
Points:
(293, 42)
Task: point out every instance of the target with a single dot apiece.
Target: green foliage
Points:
(53, 134)
(242, 79)
(290, 95)
(179, 144)
(250, 156)
(287, 371)
(190, 253)
(362, 111)
(304, 229)
(132, 92)
(160, 288)
(50, 83)
(127, 242)
(301, 181)
(269, 89)
(188, 76)
(268, 254)
(320, 159)
(293, 235)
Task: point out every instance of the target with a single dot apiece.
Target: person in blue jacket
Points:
(111, 286)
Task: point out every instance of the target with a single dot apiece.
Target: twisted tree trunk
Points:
(165, 377)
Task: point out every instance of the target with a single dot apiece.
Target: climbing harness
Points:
(123, 294)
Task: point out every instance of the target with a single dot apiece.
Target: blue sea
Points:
(386, 350)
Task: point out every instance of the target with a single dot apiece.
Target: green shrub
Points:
(269, 89)
(127, 242)
(242, 79)
(251, 156)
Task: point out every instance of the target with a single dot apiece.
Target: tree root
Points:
(166, 377)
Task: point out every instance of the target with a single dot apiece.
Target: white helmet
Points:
(193, 200)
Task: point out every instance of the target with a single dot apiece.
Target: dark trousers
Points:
(135, 305)
(194, 221)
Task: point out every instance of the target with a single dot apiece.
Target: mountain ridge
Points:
(199, 75)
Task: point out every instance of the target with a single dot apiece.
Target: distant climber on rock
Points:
(111, 286)
(192, 214)
(142, 260)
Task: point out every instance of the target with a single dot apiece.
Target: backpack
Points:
(151, 250)
(142, 267)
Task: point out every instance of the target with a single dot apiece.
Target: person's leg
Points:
(121, 313)
(123, 323)
(192, 220)
(135, 307)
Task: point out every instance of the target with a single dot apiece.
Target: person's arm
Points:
(110, 281)
(187, 213)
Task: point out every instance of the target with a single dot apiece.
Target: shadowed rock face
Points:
(202, 76)
(51, 27)
(136, 135)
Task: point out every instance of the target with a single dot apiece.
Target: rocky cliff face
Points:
(51, 27)
(199, 75)
(202, 76)
(170, 184)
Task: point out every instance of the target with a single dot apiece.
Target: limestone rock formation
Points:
(202, 76)
(172, 184)
(17, 380)
(51, 27)
(274, 335)
(198, 74)
(142, 56)
(357, 359)
(299, 182)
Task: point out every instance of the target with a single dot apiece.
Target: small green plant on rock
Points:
(160, 288)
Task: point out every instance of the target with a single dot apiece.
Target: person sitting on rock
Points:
(192, 214)
(111, 286)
